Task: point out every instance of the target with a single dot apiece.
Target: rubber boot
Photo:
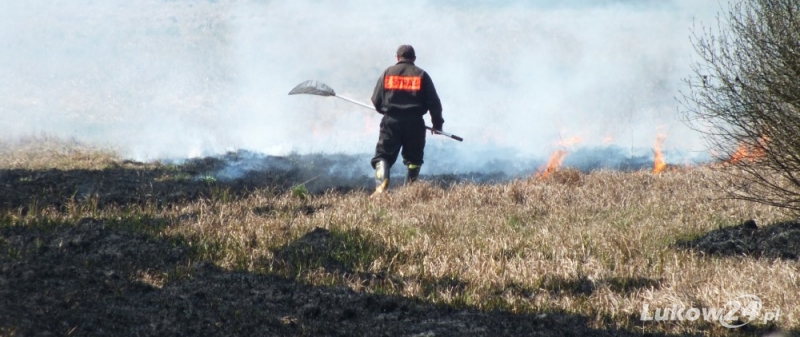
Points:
(412, 173)
(381, 177)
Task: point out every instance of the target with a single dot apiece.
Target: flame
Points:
(749, 152)
(658, 162)
(742, 153)
(557, 158)
(608, 139)
(553, 164)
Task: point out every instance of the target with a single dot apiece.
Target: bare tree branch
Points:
(744, 96)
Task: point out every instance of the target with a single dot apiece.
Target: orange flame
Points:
(555, 161)
(658, 161)
(741, 154)
(553, 164)
(748, 152)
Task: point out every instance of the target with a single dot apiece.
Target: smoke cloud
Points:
(180, 78)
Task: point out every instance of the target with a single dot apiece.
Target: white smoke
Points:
(158, 78)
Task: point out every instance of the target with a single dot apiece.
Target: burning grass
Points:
(599, 245)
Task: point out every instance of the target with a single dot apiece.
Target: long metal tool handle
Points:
(427, 127)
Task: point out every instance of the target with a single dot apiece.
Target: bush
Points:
(744, 96)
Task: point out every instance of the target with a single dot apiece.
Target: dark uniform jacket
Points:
(407, 90)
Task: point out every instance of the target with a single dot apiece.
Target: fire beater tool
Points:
(320, 89)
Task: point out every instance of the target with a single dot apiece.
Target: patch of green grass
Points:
(354, 249)
(721, 222)
(683, 238)
(300, 192)
(379, 215)
(184, 176)
(221, 194)
(515, 222)
(7, 220)
(137, 222)
(336, 251)
(206, 249)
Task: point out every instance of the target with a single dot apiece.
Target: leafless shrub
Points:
(744, 96)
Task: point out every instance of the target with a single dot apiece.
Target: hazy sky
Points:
(186, 78)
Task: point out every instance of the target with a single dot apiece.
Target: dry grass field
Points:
(570, 254)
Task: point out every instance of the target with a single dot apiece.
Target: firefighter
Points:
(403, 95)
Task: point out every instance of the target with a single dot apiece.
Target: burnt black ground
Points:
(773, 241)
(128, 183)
